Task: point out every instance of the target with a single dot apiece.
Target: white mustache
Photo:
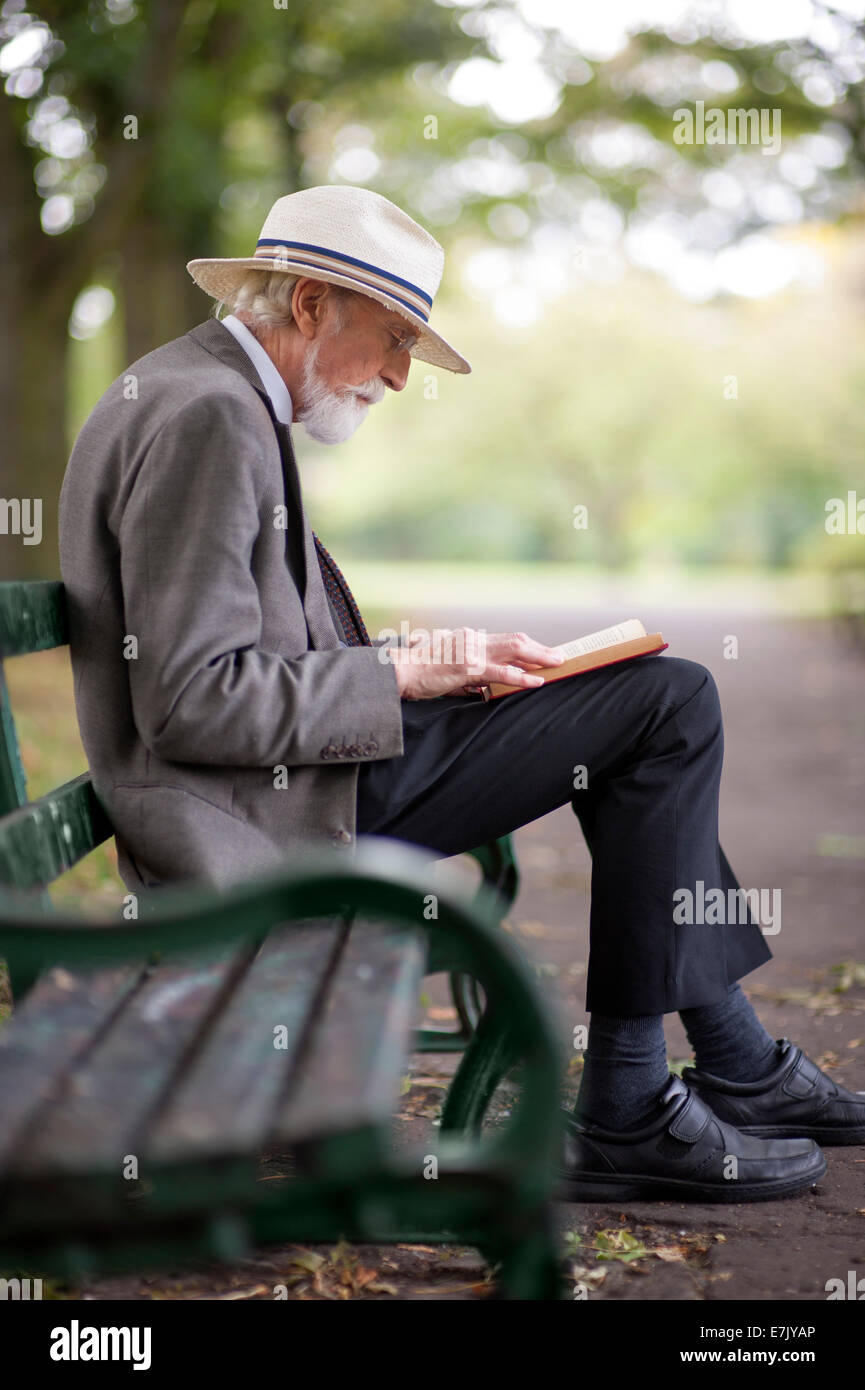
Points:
(373, 396)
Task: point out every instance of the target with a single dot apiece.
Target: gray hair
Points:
(266, 296)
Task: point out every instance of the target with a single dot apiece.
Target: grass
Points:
(40, 689)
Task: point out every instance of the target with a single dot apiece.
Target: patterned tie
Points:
(341, 597)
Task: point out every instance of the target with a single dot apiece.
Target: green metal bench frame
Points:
(493, 1190)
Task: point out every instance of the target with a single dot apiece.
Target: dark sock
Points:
(729, 1040)
(625, 1071)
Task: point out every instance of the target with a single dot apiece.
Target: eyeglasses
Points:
(402, 339)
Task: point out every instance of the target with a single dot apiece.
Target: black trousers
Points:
(649, 735)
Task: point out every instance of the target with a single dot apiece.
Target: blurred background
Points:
(668, 334)
(666, 337)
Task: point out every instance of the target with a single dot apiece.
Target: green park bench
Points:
(152, 1068)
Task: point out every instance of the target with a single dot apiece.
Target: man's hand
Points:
(461, 660)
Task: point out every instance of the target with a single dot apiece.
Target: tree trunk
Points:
(35, 399)
(33, 345)
(160, 299)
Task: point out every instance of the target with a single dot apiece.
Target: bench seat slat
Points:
(95, 1120)
(358, 1052)
(225, 1102)
(52, 1028)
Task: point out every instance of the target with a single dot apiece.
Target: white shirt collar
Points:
(264, 365)
(273, 385)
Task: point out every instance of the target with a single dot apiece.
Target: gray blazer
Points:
(222, 720)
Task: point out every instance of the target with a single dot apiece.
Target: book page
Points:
(607, 637)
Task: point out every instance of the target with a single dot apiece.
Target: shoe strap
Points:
(690, 1121)
(802, 1079)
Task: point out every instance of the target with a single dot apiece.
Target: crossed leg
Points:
(636, 749)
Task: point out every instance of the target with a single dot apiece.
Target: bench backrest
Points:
(39, 840)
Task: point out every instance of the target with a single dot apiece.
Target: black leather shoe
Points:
(684, 1154)
(797, 1099)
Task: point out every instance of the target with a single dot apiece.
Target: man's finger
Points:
(513, 675)
(526, 650)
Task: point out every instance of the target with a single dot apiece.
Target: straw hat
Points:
(353, 237)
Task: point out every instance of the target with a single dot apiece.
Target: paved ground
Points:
(792, 816)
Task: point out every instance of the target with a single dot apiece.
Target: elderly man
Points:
(233, 706)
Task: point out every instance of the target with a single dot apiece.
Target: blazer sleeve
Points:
(202, 689)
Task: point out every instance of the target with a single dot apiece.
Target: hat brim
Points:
(219, 277)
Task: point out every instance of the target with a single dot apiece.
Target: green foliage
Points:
(614, 401)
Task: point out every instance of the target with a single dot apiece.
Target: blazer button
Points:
(330, 751)
(355, 750)
(340, 837)
(370, 749)
(342, 751)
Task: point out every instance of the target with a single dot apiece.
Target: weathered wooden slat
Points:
(32, 616)
(13, 782)
(50, 1032)
(352, 1063)
(40, 841)
(225, 1102)
(96, 1120)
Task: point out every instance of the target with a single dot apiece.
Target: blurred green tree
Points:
(231, 105)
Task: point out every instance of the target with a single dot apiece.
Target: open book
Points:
(611, 644)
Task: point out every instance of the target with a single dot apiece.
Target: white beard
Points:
(326, 416)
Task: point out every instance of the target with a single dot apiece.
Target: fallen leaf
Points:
(308, 1260)
(619, 1245)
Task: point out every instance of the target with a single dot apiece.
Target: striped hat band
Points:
(320, 257)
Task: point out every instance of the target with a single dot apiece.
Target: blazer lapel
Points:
(300, 546)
